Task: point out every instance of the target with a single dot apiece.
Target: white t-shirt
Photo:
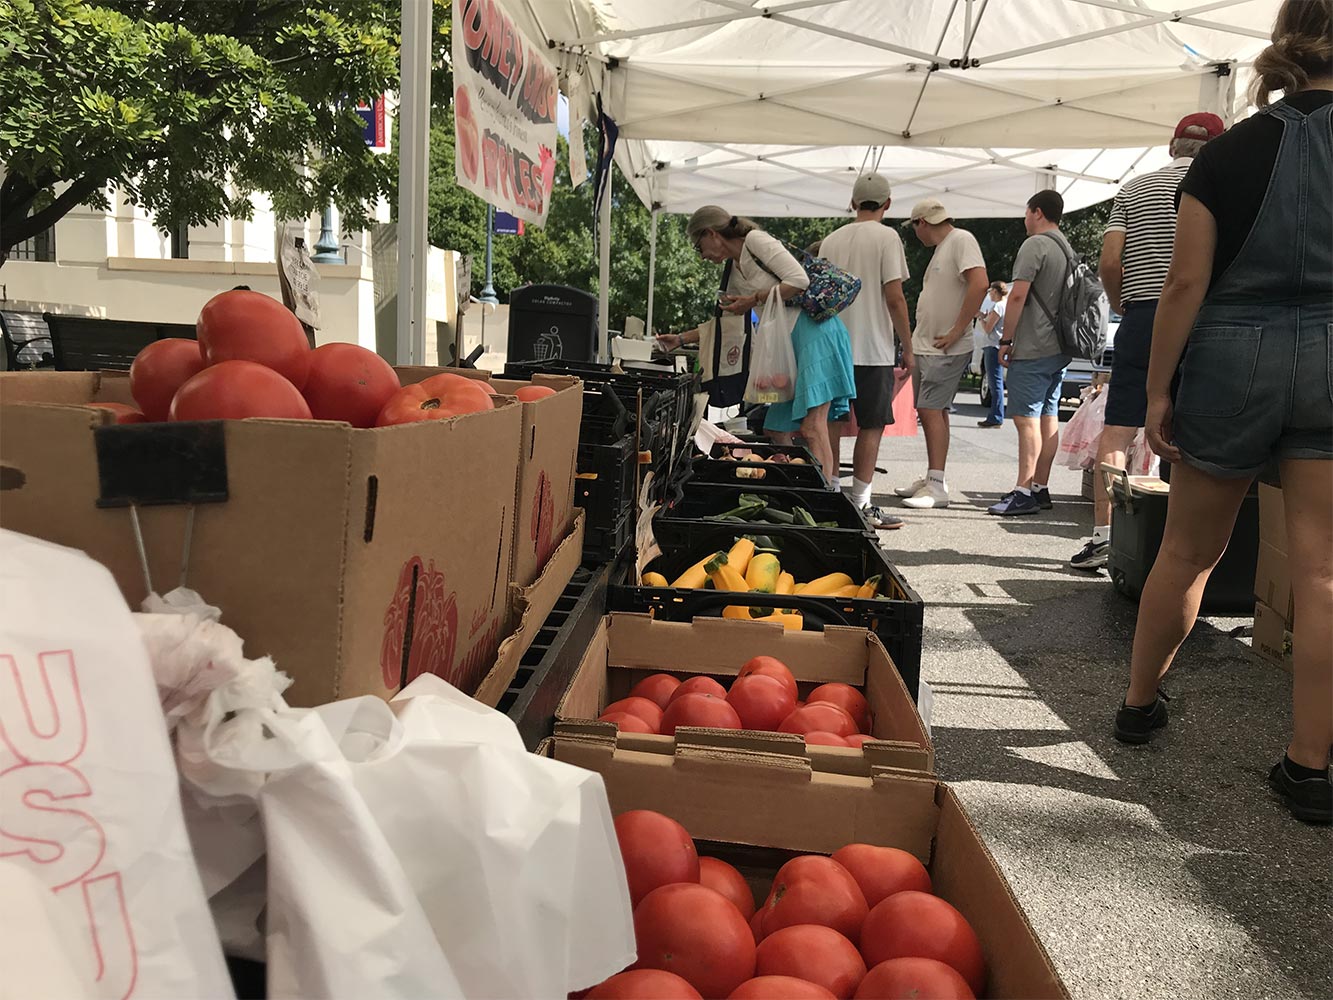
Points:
(874, 253)
(943, 289)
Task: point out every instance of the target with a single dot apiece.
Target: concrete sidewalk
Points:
(1157, 871)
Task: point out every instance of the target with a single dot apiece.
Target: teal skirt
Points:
(823, 373)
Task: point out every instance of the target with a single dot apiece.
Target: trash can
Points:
(552, 321)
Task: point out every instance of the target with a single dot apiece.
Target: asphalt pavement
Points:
(1157, 871)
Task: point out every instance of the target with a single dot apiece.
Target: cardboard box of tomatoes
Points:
(357, 557)
(808, 884)
(548, 454)
(834, 695)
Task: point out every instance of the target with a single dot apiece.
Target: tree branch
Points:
(15, 231)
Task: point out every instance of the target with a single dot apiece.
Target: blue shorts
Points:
(1256, 383)
(1034, 384)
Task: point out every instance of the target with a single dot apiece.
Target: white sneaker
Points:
(929, 496)
(913, 490)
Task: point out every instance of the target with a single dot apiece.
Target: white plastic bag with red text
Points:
(772, 357)
(89, 794)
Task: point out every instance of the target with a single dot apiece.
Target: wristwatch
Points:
(1006, 343)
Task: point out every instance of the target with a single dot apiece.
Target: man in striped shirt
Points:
(1136, 252)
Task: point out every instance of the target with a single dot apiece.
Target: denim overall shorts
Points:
(1257, 376)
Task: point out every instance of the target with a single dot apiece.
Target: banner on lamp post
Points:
(505, 94)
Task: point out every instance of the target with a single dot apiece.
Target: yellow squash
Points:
(654, 580)
(724, 577)
(786, 583)
(739, 556)
(763, 573)
(869, 589)
(826, 585)
(695, 578)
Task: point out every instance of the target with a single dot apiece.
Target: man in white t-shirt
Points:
(874, 253)
(951, 292)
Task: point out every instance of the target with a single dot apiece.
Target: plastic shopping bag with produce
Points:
(1078, 443)
(772, 357)
(408, 849)
(90, 807)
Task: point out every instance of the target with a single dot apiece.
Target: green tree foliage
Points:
(189, 107)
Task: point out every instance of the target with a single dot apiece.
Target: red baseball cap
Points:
(1205, 120)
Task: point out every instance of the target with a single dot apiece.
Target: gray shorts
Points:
(935, 379)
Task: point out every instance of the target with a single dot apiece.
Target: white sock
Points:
(935, 477)
(1025, 491)
(860, 492)
(1038, 486)
(1101, 533)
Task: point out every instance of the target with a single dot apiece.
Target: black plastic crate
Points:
(604, 544)
(715, 469)
(605, 481)
(806, 553)
(548, 666)
(704, 501)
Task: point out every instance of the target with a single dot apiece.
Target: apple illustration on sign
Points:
(465, 125)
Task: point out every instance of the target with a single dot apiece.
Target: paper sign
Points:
(505, 96)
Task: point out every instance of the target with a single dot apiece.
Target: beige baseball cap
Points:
(930, 209)
(870, 187)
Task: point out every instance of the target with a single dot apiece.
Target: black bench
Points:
(85, 344)
(27, 341)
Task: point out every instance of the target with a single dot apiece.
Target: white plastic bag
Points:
(1078, 440)
(772, 357)
(411, 849)
(89, 795)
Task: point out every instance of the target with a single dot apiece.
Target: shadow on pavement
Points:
(1203, 779)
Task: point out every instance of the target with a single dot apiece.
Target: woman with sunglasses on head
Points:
(824, 377)
(1248, 304)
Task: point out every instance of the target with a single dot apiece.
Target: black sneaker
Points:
(1015, 503)
(1043, 498)
(990, 423)
(1136, 725)
(1309, 799)
(1092, 556)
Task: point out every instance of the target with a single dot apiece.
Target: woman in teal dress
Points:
(824, 379)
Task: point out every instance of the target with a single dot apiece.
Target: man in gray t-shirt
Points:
(1031, 351)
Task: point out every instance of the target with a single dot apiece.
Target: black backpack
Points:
(1083, 313)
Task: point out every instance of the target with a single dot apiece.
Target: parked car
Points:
(1080, 372)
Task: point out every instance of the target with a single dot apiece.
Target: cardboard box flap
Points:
(889, 698)
(873, 754)
(966, 872)
(779, 769)
(785, 744)
(66, 388)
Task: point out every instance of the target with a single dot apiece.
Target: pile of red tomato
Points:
(863, 923)
(763, 697)
(252, 359)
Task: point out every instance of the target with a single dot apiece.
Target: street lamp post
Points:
(488, 290)
(326, 247)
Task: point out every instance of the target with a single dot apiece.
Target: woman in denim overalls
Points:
(1256, 384)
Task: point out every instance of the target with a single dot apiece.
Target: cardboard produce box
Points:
(357, 559)
(548, 454)
(1272, 578)
(628, 647)
(755, 809)
(1272, 636)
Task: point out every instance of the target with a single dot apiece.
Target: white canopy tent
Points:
(772, 107)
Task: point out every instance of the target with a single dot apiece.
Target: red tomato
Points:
(486, 385)
(757, 924)
(657, 851)
(656, 688)
(642, 707)
(697, 934)
(626, 722)
(531, 393)
(818, 718)
(702, 710)
(762, 702)
(819, 738)
(724, 878)
(918, 925)
(815, 890)
(233, 390)
(159, 370)
(348, 382)
(846, 697)
(813, 953)
(882, 871)
(241, 325)
(910, 978)
(436, 398)
(779, 988)
(644, 984)
(698, 685)
(770, 666)
(123, 412)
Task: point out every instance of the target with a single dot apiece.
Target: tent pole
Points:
(413, 172)
(652, 268)
(604, 272)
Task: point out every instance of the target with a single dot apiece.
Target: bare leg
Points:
(1050, 441)
(835, 443)
(935, 424)
(1111, 447)
(1307, 487)
(1029, 448)
(781, 437)
(865, 453)
(814, 428)
(1200, 514)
